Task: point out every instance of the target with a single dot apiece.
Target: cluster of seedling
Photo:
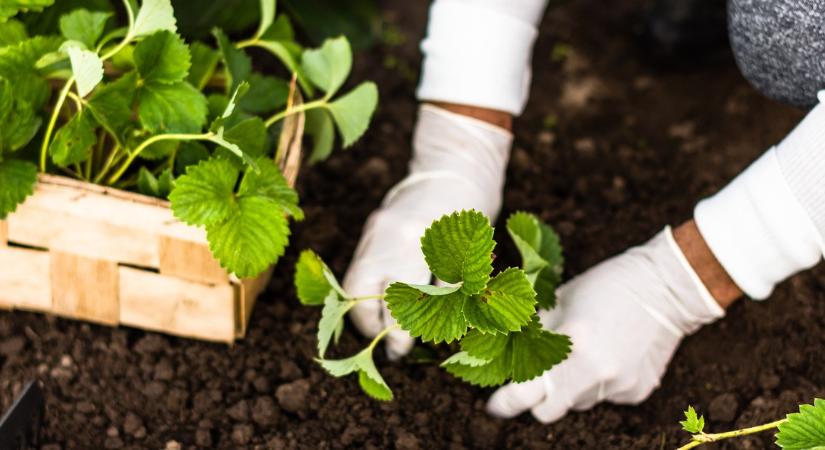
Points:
(136, 107)
(492, 317)
(804, 430)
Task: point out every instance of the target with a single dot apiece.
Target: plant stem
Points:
(368, 297)
(381, 335)
(61, 98)
(705, 438)
(157, 138)
(303, 107)
(114, 156)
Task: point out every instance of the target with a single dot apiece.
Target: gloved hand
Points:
(458, 163)
(625, 317)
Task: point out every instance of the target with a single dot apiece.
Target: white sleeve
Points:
(478, 52)
(768, 223)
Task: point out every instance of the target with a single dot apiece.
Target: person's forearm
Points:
(501, 119)
(706, 266)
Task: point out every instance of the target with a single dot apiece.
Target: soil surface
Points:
(612, 147)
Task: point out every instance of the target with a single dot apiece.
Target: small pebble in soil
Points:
(164, 370)
(292, 396)
(132, 423)
(406, 441)
(723, 408)
(264, 412)
(239, 412)
(12, 346)
(203, 437)
(289, 371)
(769, 380)
(172, 445)
(242, 434)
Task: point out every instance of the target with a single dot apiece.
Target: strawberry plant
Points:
(804, 430)
(133, 106)
(491, 317)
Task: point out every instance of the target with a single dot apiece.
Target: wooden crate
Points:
(87, 252)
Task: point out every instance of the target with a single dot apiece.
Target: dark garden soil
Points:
(612, 147)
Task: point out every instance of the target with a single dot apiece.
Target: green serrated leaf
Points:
(526, 234)
(160, 150)
(311, 280)
(84, 26)
(362, 363)
(540, 252)
(804, 430)
(17, 65)
(204, 61)
(266, 94)
(434, 318)
(237, 64)
(19, 122)
(249, 135)
(172, 108)
(205, 195)
(320, 127)
(11, 32)
(111, 105)
(505, 305)
(147, 183)
(87, 68)
(332, 318)
(166, 183)
(517, 357)
(251, 239)
(73, 142)
(162, 57)
(693, 424)
(10, 8)
(270, 183)
(458, 248)
(154, 15)
(190, 153)
(17, 180)
(353, 111)
(328, 66)
(466, 359)
(288, 53)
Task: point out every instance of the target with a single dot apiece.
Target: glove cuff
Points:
(476, 54)
(757, 228)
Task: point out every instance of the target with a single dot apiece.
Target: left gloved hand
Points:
(625, 317)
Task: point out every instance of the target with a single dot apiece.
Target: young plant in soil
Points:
(804, 430)
(491, 317)
(133, 106)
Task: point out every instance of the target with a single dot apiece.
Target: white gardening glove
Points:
(458, 163)
(625, 317)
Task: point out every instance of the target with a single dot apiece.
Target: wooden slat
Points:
(163, 303)
(24, 279)
(4, 233)
(247, 292)
(85, 288)
(89, 221)
(189, 260)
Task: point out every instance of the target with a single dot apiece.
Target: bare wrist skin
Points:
(707, 267)
(495, 117)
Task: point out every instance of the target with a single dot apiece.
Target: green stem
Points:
(303, 107)
(61, 98)
(381, 335)
(157, 138)
(114, 157)
(368, 297)
(705, 438)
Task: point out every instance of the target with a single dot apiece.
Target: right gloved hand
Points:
(458, 163)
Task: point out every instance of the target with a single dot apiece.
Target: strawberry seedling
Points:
(492, 317)
(804, 430)
(136, 107)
